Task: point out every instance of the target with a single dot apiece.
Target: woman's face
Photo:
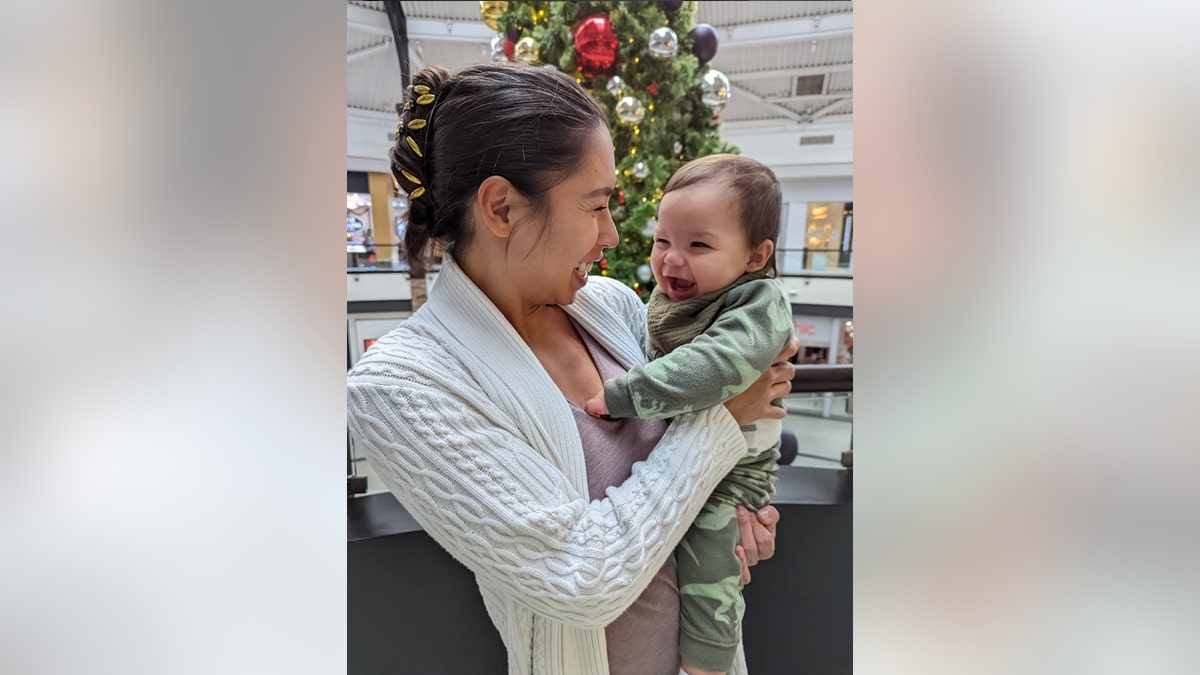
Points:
(554, 261)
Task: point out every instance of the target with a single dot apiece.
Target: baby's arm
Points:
(715, 366)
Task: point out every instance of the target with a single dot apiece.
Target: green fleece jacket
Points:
(707, 349)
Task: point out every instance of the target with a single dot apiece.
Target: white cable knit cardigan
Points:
(467, 429)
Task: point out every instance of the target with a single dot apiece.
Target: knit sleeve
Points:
(506, 512)
(716, 365)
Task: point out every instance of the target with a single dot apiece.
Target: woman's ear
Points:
(495, 200)
(760, 255)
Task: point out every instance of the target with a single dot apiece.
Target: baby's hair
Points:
(749, 183)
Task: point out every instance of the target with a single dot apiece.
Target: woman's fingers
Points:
(745, 567)
(764, 532)
(746, 525)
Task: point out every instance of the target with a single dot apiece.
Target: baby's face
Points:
(699, 246)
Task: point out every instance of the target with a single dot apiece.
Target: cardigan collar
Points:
(509, 368)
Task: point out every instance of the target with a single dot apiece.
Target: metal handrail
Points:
(816, 379)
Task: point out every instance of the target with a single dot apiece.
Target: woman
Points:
(471, 411)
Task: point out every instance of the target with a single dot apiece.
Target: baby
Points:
(717, 319)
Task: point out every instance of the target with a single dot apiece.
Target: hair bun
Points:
(412, 170)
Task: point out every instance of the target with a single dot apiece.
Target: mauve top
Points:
(645, 639)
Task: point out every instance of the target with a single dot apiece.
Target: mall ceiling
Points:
(788, 62)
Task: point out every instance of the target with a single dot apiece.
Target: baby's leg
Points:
(710, 590)
(710, 574)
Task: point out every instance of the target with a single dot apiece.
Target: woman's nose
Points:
(608, 232)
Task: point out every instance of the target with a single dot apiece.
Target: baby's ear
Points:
(760, 255)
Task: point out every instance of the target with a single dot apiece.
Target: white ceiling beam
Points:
(840, 103)
(376, 23)
(367, 20)
(791, 72)
(811, 98)
(450, 31)
(789, 30)
(790, 114)
(359, 54)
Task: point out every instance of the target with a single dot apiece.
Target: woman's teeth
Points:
(583, 268)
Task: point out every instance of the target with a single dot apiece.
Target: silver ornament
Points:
(678, 148)
(550, 66)
(615, 85)
(618, 211)
(630, 110)
(650, 228)
(498, 48)
(716, 90)
(644, 273)
(640, 170)
(663, 43)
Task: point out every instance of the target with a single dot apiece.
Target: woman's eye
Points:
(600, 208)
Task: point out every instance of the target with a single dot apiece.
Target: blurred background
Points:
(175, 290)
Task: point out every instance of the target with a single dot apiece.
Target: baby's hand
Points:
(596, 407)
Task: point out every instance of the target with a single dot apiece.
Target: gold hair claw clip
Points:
(410, 177)
(425, 99)
(413, 144)
(417, 124)
(416, 193)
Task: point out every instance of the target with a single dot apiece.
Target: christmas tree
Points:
(645, 63)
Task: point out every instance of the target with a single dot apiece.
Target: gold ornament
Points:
(526, 51)
(413, 144)
(491, 11)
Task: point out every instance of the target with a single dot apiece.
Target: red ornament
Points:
(595, 46)
(604, 263)
(621, 197)
(652, 89)
(717, 116)
(509, 46)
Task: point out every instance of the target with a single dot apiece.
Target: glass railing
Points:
(371, 257)
(799, 262)
(815, 262)
(821, 416)
(820, 419)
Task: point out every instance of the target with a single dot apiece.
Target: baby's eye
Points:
(661, 241)
(699, 244)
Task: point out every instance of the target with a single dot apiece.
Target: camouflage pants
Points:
(710, 574)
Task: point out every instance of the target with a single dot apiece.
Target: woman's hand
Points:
(758, 537)
(775, 382)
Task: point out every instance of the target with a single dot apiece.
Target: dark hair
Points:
(750, 183)
(523, 123)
